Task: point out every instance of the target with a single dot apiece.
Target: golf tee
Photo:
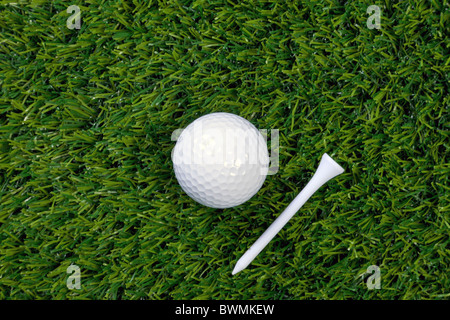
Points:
(327, 170)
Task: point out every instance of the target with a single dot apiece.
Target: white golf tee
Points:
(327, 170)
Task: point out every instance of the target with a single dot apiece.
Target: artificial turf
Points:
(86, 124)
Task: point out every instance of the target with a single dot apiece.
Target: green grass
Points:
(86, 118)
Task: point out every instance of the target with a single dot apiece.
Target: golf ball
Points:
(220, 160)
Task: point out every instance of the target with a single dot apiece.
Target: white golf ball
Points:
(220, 160)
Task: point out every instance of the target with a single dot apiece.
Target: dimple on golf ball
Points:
(220, 160)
